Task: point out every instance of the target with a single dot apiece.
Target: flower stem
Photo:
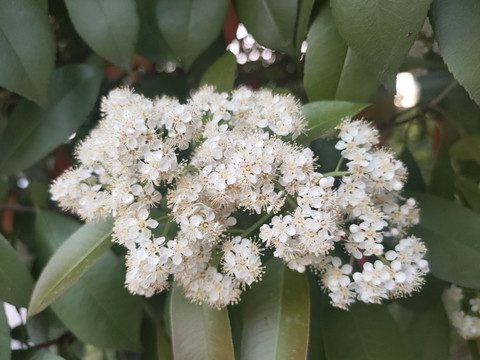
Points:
(256, 225)
(337, 173)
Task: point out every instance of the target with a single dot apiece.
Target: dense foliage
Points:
(317, 63)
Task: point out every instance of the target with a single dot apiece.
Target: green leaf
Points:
(190, 26)
(454, 20)
(468, 192)
(5, 351)
(323, 116)
(51, 230)
(16, 283)
(304, 12)
(27, 49)
(72, 259)
(467, 148)
(199, 331)
(150, 42)
(86, 307)
(450, 232)
(109, 27)
(99, 310)
(332, 70)
(442, 182)
(221, 73)
(271, 22)
(276, 315)
(364, 332)
(380, 32)
(428, 334)
(73, 92)
(35, 355)
(316, 349)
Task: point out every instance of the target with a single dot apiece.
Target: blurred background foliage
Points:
(58, 58)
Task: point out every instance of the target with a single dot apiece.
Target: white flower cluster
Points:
(241, 159)
(463, 309)
(336, 227)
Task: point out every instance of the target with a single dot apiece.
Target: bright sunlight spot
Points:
(407, 91)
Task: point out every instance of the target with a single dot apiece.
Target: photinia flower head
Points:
(349, 226)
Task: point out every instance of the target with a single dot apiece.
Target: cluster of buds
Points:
(221, 157)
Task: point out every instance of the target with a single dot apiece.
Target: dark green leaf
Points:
(365, 332)
(304, 12)
(450, 233)
(467, 148)
(155, 341)
(325, 115)
(199, 331)
(190, 26)
(16, 283)
(51, 230)
(454, 20)
(221, 73)
(276, 315)
(428, 334)
(27, 49)
(415, 180)
(109, 27)
(468, 192)
(41, 354)
(72, 259)
(32, 132)
(150, 41)
(271, 22)
(85, 308)
(316, 349)
(5, 351)
(98, 309)
(442, 182)
(380, 32)
(332, 70)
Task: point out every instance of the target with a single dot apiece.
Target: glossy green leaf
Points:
(452, 21)
(190, 26)
(467, 148)
(323, 116)
(109, 27)
(51, 230)
(5, 351)
(199, 331)
(16, 283)
(332, 70)
(442, 181)
(85, 308)
(98, 308)
(271, 22)
(450, 232)
(380, 32)
(364, 332)
(276, 315)
(428, 333)
(305, 8)
(73, 92)
(72, 259)
(150, 41)
(221, 73)
(27, 49)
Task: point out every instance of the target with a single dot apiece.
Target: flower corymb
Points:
(211, 164)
